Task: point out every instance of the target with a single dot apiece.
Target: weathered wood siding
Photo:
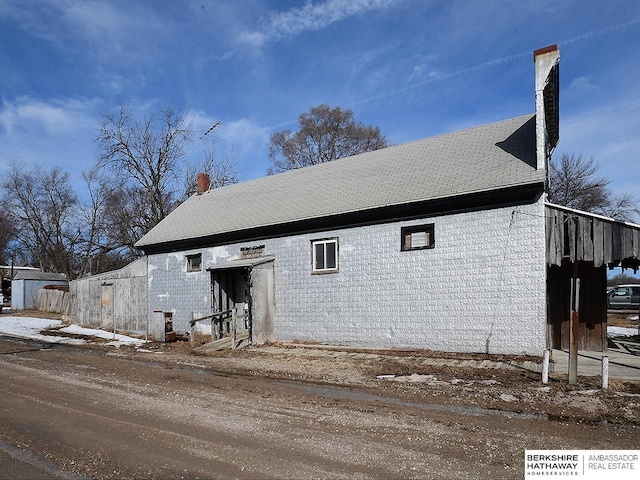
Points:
(120, 296)
(56, 301)
(593, 243)
(590, 238)
(592, 309)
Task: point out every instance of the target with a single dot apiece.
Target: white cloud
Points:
(106, 29)
(608, 133)
(241, 139)
(581, 83)
(310, 17)
(31, 116)
(246, 133)
(48, 133)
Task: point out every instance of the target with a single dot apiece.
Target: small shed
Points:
(26, 283)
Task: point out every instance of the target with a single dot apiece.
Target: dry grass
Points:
(622, 319)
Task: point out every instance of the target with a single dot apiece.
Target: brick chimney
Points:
(203, 183)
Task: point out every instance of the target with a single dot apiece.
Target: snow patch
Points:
(31, 328)
(621, 331)
(118, 339)
(584, 392)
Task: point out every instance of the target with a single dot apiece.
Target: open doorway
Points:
(249, 282)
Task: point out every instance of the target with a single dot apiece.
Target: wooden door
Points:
(106, 312)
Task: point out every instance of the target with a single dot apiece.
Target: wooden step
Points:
(225, 343)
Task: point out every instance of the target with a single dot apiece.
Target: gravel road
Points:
(274, 412)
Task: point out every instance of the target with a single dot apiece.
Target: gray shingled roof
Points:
(38, 275)
(484, 158)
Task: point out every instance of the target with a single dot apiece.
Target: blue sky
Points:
(415, 68)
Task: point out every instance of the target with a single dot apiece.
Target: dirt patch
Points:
(619, 319)
(164, 414)
(35, 314)
(410, 375)
(414, 376)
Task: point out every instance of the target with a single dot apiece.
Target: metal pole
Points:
(605, 372)
(573, 335)
(115, 320)
(575, 317)
(545, 367)
(234, 318)
(192, 332)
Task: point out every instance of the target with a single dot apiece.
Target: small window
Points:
(418, 237)
(324, 255)
(194, 263)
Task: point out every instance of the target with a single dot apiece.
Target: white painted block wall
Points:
(481, 289)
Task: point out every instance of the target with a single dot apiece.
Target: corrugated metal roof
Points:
(484, 158)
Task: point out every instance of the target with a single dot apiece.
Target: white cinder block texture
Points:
(480, 289)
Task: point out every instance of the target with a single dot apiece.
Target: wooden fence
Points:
(54, 301)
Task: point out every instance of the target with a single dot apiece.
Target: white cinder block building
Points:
(438, 244)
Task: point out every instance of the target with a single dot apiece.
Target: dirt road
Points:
(102, 413)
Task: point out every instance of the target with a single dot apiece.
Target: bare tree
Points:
(101, 248)
(324, 134)
(129, 216)
(575, 182)
(222, 171)
(7, 233)
(150, 152)
(621, 279)
(44, 208)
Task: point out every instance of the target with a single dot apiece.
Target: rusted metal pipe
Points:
(575, 315)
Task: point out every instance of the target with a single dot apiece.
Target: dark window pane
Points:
(194, 263)
(331, 255)
(319, 256)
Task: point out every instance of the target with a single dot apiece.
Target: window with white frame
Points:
(418, 237)
(194, 263)
(324, 255)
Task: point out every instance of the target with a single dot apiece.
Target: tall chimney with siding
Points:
(547, 64)
(203, 183)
